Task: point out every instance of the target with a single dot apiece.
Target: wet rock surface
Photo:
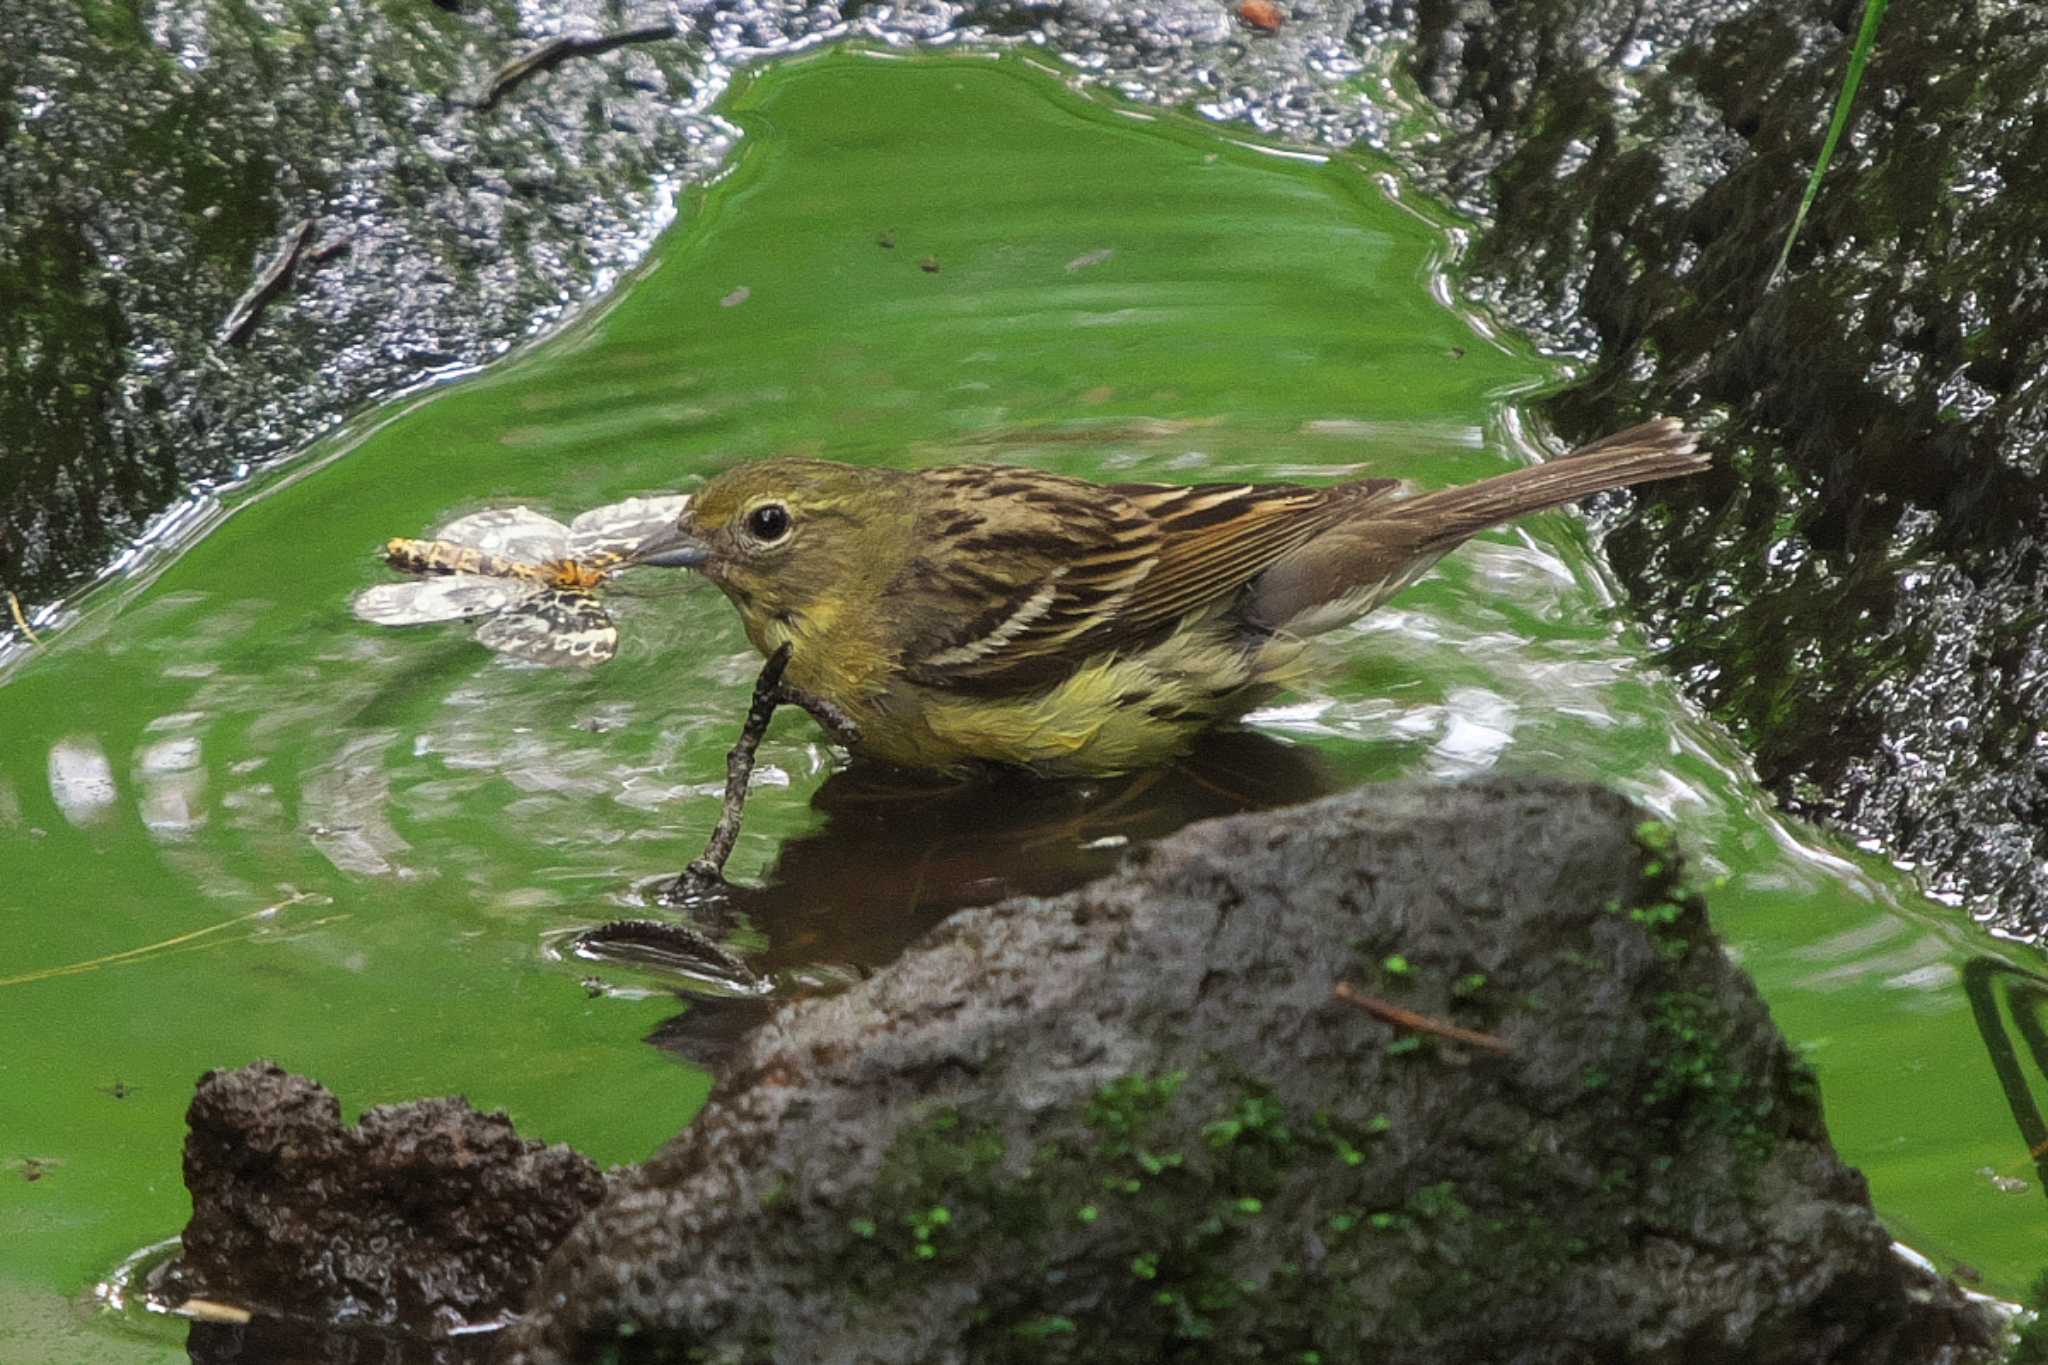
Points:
(156, 158)
(1134, 1123)
(425, 1216)
(1862, 590)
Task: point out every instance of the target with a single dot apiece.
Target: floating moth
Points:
(529, 581)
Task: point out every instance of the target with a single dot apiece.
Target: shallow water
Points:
(256, 827)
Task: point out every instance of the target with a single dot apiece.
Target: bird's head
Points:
(786, 537)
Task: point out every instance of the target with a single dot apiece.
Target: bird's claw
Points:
(702, 880)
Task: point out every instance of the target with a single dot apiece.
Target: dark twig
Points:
(1418, 1023)
(241, 319)
(561, 48)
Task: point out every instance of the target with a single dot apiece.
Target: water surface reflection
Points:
(897, 854)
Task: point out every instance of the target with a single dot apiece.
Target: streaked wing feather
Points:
(1218, 537)
(557, 626)
(1044, 571)
(1077, 570)
(452, 598)
(514, 532)
(619, 526)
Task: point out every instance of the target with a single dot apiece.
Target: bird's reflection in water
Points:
(898, 854)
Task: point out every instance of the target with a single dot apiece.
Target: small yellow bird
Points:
(992, 614)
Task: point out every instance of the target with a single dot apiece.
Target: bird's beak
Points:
(671, 548)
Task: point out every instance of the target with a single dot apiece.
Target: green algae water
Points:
(237, 823)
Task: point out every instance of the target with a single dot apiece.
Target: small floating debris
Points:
(886, 241)
(1263, 15)
(531, 581)
(2004, 1184)
(212, 1310)
(1080, 263)
(929, 265)
(21, 621)
(736, 297)
(241, 319)
(561, 48)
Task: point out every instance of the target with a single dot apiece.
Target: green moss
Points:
(1701, 1090)
(1657, 836)
(1049, 1325)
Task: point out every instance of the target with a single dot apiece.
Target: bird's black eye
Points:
(769, 522)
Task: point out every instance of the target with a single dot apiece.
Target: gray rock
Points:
(1132, 1123)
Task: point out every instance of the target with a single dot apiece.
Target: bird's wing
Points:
(617, 527)
(1215, 538)
(515, 532)
(1021, 575)
(454, 597)
(562, 627)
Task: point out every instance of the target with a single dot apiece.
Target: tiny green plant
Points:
(1859, 57)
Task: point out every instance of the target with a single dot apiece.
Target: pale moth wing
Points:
(515, 532)
(617, 527)
(554, 627)
(450, 597)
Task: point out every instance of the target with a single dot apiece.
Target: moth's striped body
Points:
(448, 557)
(993, 614)
(530, 581)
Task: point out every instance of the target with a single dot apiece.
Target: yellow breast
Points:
(1113, 714)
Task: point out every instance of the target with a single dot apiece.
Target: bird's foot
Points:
(702, 880)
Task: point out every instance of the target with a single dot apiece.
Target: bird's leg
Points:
(706, 875)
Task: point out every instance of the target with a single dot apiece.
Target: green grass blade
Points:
(1866, 39)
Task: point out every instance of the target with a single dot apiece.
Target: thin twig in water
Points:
(561, 48)
(213, 1310)
(1419, 1023)
(151, 949)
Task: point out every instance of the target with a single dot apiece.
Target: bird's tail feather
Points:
(1352, 568)
(1657, 449)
